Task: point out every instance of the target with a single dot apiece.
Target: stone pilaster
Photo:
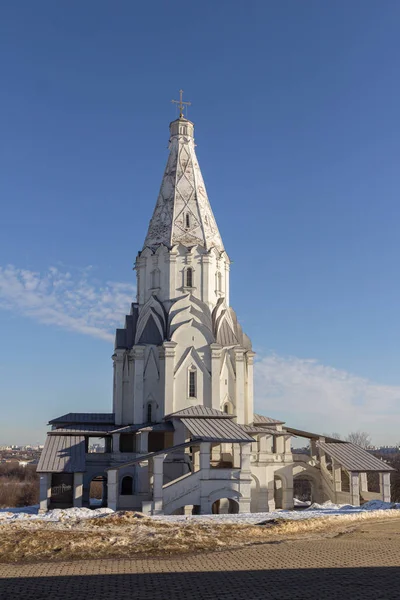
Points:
(240, 383)
(78, 489)
(167, 364)
(137, 354)
(249, 415)
(158, 480)
(118, 358)
(112, 488)
(216, 351)
(45, 492)
(384, 483)
(354, 488)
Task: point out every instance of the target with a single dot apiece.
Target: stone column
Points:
(78, 489)
(314, 450)
(239, 391)
(363, 482)
(167, 364)
(196, 459)
(137, 354)
(112, 488)
(45, 492)
(249, 414)
(115, 442)
(288, 445)
(205, 504)
(354, 488)
(287, 493)
(216, 350)
(236, 456)
(158, 481)
(271, 488)
(142, 441)
(245, 478)
(264, 447)
(279, 444)
(118, 358)
(337, 476)
(384, 484)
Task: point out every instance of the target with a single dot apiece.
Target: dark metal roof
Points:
(84, 428)
(105, 418)
(63, 454)
(261, 420)
(215, 430)
(199, 411)
(144, 426)
(253, 429)
(353, 458)
(311, 436)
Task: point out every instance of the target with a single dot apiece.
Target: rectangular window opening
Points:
(192, 384)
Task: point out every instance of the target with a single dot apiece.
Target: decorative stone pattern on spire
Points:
(183, 213)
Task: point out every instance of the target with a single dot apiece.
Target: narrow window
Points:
(127, 486)
(187, 220)
(189, 277)
(149, 413)
(226, 409)
(192, 384)
(155, 278)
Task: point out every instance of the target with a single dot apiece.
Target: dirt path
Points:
(363, 564)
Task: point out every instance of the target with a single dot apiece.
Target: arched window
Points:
(218, 281)
(226, 409)
(149, 413)
(187, 220)
(192, 383)
(189, 277)
(127, 486)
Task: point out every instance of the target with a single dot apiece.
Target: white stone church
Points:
(182, 437)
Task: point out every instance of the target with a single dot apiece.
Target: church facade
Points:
(182, 436)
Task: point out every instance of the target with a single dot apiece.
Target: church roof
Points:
(199, 411)
(354, 458)
(63, 454)
(105, 418)
(216, 430)
(183, 214)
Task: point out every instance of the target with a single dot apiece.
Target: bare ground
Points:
(129, 535)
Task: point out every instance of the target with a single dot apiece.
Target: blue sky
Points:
(297, 125)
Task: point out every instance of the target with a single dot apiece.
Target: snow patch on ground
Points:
(31, 513)
(315, 511)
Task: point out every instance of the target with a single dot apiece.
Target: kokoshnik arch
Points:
(182, 436)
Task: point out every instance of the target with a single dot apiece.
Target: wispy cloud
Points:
(309, 394)
(72, 300)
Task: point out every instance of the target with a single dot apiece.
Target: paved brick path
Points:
(361, 565)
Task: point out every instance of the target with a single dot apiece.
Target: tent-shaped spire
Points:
(183, 213)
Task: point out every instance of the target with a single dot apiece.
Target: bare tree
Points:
(360, 438)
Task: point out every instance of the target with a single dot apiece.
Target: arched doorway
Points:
(225, 506)
(303, 489)
(98, 491)
(278, 491)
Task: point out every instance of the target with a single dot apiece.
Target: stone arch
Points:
(254, 493)
(92, 493)
(280, 483)
(229, 493)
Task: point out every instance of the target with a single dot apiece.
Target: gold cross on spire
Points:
(182, 105)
